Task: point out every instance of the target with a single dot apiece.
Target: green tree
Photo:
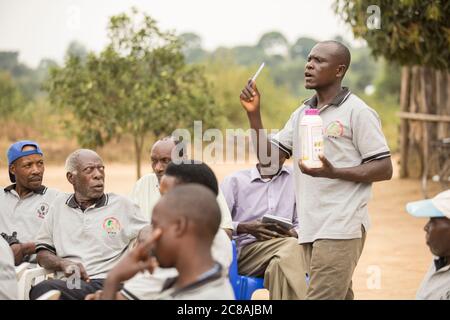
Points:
(415, 35)
(302, 47)
(11, 99)
(192, 47)
(274, 44)
(138, 85)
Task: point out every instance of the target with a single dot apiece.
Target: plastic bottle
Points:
(311, 135)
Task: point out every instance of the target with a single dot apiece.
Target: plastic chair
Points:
(31, 277)
(51, 295)
(20, 269)
(243, 286)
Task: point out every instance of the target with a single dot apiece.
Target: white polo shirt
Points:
(334, 208)
(436, 284)
(96, 237)
(146, 194)
(8, 282)
(25, 215)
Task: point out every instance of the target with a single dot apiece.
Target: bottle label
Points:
(312, 142)
(317, 142)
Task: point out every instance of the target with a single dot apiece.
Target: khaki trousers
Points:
(280, 261)
(330, 265)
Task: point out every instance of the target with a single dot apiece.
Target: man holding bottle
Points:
(331, 200)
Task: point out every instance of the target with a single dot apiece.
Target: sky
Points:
(44, 28)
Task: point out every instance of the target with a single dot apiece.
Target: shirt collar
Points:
(41, 190)
(212, 275)
(441, 263)
(337, 101)
(101, 202)
(255, 175)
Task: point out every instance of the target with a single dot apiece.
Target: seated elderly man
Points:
(146, 191)
(24, 203)
(85, 233)
(436, 284)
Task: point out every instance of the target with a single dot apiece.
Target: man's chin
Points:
(309, 86)
(35, 185)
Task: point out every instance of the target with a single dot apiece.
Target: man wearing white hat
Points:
(436, 284)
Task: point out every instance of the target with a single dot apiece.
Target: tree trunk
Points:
(138, 146)
(423, 91)
(404, 125)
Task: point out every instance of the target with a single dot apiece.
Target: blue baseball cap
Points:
(15, 152)
(437, 207)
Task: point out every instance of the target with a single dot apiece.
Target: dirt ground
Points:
(395, 256)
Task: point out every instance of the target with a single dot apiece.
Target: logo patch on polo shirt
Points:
(335, 129)
(111, 225)
(42, 210)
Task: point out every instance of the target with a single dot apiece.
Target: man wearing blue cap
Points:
(436, 284)
(24, 204)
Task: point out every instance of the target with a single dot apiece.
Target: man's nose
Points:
(35, 169)
(98, 174)
(159, 166)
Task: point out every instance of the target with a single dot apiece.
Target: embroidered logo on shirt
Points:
(111, 225)
(42, 210)
(335, 129)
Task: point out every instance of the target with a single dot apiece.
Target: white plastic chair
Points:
(51, 295)
(21, 269)
(29, 278)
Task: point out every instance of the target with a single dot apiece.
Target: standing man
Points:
(25, 203)
(85, 233)
(146, 191)
(266, 249)
(331, 200)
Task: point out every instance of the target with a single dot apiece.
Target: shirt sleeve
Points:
(135, 222)
(44, 238)
(226, 222)
(368, 136)
(284, 139)
(228, 192)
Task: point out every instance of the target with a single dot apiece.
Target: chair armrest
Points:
(29, 278)
(51, 295)
(21, 269)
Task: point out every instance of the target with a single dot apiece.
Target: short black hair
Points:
(342, 52)
(198, 204)
(191, 171)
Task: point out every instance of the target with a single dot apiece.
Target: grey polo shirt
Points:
(436, 283)
(96, 237)
(333, 208)
(24, 215)
(212, 287)
(8, 282)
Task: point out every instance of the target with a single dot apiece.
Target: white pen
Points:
(258, 72)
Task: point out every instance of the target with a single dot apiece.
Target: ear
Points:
(12, 169)
(70, 177)
(341, 70)
(181, 226)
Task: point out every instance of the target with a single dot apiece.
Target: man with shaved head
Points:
(84, 233)
(331, 200)
(185, 221)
